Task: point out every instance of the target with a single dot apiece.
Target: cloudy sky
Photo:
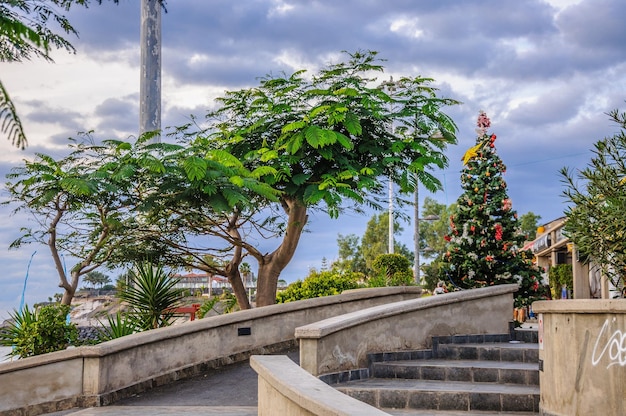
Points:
(546, 72)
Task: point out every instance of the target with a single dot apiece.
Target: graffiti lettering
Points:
(615, 347)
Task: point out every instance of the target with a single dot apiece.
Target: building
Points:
(203, 282)
(551, 247)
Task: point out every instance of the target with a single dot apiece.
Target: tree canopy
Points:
(268, 155)
(596, 221)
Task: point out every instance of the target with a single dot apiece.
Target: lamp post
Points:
(391, 87)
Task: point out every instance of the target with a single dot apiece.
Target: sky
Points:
(546, 72)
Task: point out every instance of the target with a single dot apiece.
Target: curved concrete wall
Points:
(342, 343)
(582, 348)
(286, 389)
(101, 374)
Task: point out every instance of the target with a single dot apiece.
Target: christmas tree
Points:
(485, 242)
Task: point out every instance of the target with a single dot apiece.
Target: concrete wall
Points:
(101, 374)
(286, 389)
(342, 343)
(582, 347)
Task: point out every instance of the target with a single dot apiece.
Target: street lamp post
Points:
(391, 87)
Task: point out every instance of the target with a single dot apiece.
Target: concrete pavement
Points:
(226, 391)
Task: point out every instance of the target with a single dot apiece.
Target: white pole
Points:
(390, 216)
(417, 233)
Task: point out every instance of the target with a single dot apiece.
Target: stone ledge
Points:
(293, 388)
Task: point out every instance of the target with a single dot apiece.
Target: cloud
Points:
(546, 72)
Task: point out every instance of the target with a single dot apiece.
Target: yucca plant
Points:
(118, 326)
(151, 295)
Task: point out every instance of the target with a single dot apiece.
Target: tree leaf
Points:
(195, 167)
(353, 125)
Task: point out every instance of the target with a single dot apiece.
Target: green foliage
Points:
(150, 294)
(350, 258)
(97, 279)
(485, 240)
(375, 241)
(391, 270)
(208, 306)
(559, 275)
(434, 272)
(327, 135)
(318, 284)
(39, 331)
(596, 219)
(118, 326)
(528, 225)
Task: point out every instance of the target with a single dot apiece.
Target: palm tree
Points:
(24, 33)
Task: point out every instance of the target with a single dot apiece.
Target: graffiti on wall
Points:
(609, 346)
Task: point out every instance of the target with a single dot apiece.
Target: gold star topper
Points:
(471, 153)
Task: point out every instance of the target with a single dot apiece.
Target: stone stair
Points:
(460, 375)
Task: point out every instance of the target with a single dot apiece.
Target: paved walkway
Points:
(227, 391)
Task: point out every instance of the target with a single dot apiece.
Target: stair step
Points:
(428, 412)
(459, 370)
(497, 351)
(443, 395)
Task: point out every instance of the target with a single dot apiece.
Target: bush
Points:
(391, 270)
(318, 284)
(39, 331)
(560, 275)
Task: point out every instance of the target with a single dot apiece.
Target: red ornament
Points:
(498, 228)
(447, 237)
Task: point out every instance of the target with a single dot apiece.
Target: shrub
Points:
(118, 326)
(318, 284)
(39, 331)
(151, 294)
(559, 275)
(391, 270)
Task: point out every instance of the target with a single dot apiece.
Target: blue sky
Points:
(546, 73)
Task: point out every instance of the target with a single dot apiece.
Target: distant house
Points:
(552, 247)
(204, 282)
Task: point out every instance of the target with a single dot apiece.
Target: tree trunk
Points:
(239, 290)
(68, 291)
(233, 274)
(271, 265)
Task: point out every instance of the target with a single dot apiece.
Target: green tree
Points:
(375, 241)
(189, 193)
(432, 240)
(350, 257)
(596, 220)
(25, 33)
(391, 270)
(528, 224)
(319, 141)
(485, 240)
(78, 210)
(97, 278)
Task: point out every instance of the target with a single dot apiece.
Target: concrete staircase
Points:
(460, 375)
